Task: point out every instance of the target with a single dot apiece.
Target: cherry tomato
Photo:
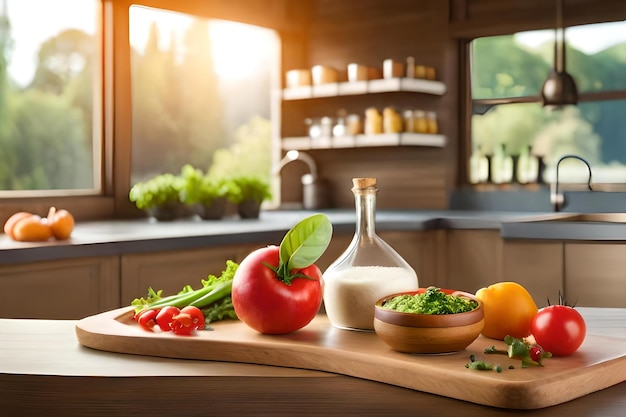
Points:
(559, 329)
(147, 319)
(536, 353)
(509, 310)
(197, 317)
(164, 318)
(182, 324)
(269, 305)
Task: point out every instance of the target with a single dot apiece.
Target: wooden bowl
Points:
(428, 333)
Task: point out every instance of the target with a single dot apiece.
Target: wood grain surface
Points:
(599, 363)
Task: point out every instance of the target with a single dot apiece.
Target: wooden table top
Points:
(43, 369)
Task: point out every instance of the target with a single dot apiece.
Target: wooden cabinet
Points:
(595, 274)
(537, 265)
(590, 274)
(170, 271)
(473, 259)
(64, 289)
(423, 250)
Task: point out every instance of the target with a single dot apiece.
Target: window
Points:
(507, 73)
(200, 94)
(50, 131)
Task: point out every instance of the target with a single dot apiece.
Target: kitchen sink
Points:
(584, 217)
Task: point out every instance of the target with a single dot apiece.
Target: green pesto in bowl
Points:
(431, 301)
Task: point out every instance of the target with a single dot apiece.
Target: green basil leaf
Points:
(306, 242)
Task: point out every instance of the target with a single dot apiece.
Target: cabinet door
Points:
(423, 250)
(170, 271)
(595, 274)
(63, 289)
(473, 259)
(537, 265)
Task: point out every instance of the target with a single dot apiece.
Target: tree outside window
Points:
(201, 95)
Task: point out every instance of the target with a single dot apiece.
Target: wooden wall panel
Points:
(492, 17)
(368, 33)
(407, 177)
(433, 31)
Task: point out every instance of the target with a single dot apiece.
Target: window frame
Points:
(469, 103)
(114, 109)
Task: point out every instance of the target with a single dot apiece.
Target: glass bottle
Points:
(474, 166)
(527, 166)
(501, 166)
(368, 270)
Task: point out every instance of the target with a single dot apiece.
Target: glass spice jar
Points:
(373, 122)
(354, 126)
(432, 126)
(420, 124)
(392, 121)
(368, 270)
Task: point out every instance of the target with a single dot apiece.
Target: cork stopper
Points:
(363, 183)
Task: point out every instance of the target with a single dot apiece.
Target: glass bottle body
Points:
(368, 270)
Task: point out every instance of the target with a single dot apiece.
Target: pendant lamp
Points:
(559, 89)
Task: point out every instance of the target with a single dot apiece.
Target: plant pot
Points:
(168, 211)
(249, 209)
(212, 211)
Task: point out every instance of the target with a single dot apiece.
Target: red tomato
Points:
(269, 305)
(182, 324)
(147, 319)
(164, 318)
(197, 317)
(559, 329)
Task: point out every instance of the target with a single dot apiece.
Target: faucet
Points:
(557, 199)
(291, 156)
(313, 195)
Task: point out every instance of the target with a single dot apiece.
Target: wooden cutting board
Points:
(599, 363)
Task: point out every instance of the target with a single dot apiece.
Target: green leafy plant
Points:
(198, 188)
(158, 191)
(249, 188)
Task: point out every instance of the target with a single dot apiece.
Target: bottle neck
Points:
(365, 202)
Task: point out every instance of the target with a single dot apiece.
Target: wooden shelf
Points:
(363, 141)
(414, 85)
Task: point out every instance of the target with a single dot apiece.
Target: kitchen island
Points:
(43, 369)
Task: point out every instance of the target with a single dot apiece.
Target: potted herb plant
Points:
(207, 196)
(159, 197)
(248, 193)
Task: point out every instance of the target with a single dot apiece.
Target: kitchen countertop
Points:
(115, 237)
(44, 370)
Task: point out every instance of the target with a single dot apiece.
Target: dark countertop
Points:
(115, 237)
